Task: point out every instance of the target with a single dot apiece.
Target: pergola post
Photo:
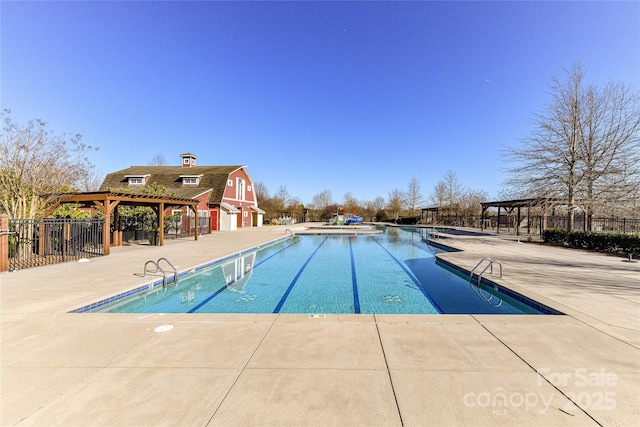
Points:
(161, 224)
(106, 232)
(4, 243)
(117, 228)
(194, 208)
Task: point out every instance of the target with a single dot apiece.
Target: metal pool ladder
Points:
(432, 234)
(488, 266)
(158, 268)
(478, 289)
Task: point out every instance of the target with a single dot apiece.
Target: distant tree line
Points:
(399, 206)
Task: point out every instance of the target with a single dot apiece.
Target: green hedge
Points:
(614, 243)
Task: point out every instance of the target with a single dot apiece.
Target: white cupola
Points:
(188, 160)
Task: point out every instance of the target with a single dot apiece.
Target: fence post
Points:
(4, 243)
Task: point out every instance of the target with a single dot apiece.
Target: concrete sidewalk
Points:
(59, 368)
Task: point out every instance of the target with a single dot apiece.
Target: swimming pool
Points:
(390, 273)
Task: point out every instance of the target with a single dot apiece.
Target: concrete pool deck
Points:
(59, 368)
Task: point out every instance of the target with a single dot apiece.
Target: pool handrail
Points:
(158, 268)
(479, 285)
(175, 270)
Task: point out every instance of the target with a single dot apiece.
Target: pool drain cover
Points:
(163, 328)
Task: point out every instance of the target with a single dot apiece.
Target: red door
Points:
(239, 223)
(213, 220)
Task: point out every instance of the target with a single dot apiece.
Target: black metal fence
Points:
(537, 224)
(34, 242)
(135, 229)
(611, 225)
(187, 226)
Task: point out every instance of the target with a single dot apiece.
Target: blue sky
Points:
(355, 97)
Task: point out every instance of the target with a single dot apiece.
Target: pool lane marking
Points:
(219, 291)
(295, 279)
(275, 253)
(411, 276)
(354, 281)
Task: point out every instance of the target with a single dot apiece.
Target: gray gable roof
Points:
(212, 178)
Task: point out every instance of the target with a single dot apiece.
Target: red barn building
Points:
(226, 195)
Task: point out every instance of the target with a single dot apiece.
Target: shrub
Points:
(613, 243)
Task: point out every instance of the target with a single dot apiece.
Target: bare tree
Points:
(261, 192)
(350, 203)
(35, 162)
(447, 192)
(610, 147)
(470, 202)
(90, 179)
(439, 194)
(270, 205)
(396, 203)
(158, 159)
(513, 193)
(453, 188)
(282, 196)
(373, 210)
(376, 204)
(294, 204)
(321, 200)
(583, 145)
(549, 157)
(413, 196)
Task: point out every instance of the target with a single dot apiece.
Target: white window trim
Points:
(202, 213)
(136, 179)
(190, 177)
(241, 189)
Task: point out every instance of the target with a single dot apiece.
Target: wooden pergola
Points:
(511, 205)
(108, 202)
(428, 214)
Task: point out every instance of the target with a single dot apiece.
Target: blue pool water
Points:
(390, 273)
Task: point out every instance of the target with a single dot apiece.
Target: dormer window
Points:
(136, 180)
(190, 179)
